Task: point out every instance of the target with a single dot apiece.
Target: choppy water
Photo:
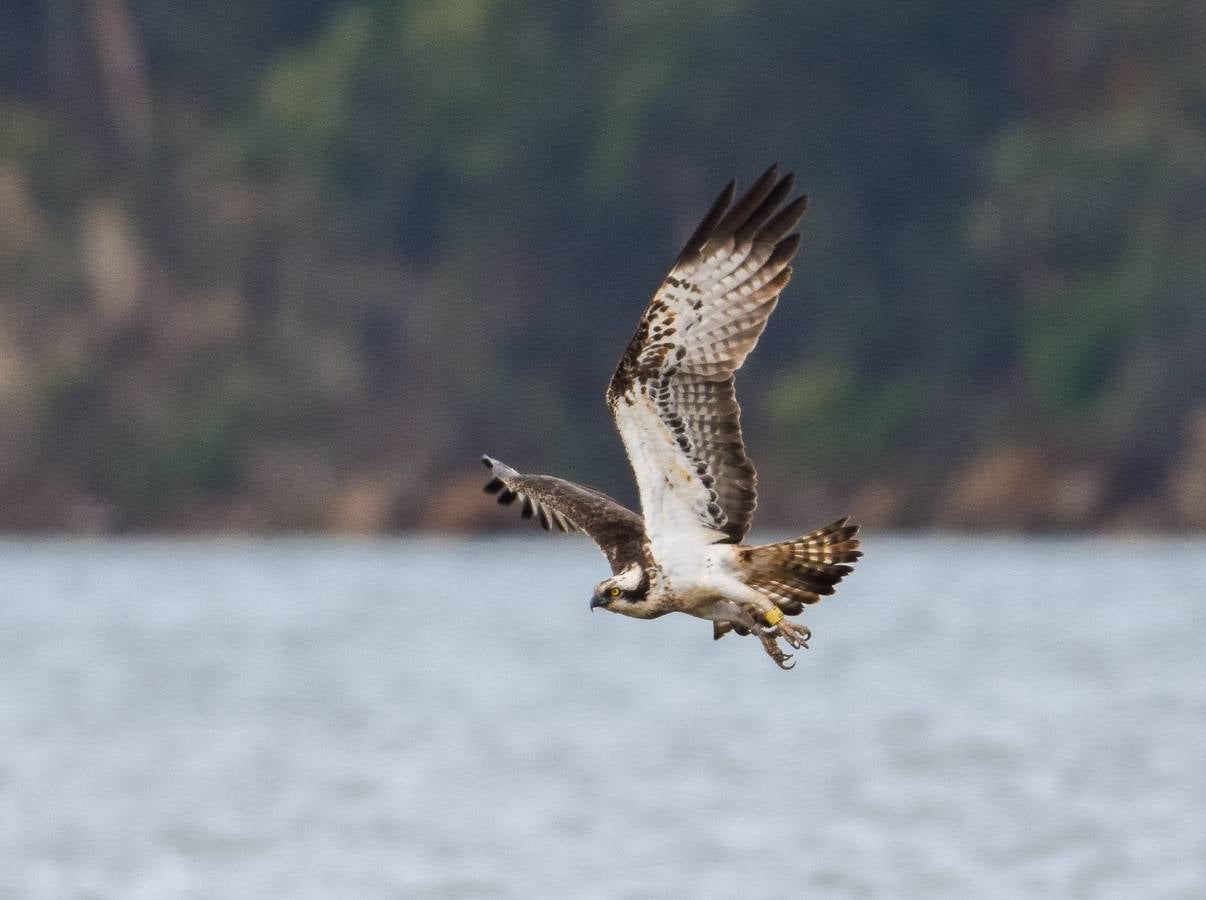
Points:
(264, 719)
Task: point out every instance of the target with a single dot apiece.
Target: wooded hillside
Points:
(294, 266)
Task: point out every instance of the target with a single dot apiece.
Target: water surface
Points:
(424, 718)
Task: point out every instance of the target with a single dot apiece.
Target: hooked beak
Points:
(597, 601)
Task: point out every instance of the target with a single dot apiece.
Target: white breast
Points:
(701, 576)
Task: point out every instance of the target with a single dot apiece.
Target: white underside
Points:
(704, 580)
(673, 499)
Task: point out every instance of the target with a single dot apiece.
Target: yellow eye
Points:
(615, 592)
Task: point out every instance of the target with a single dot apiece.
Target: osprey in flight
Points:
(673, 401)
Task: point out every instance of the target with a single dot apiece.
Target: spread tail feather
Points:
(800, 571)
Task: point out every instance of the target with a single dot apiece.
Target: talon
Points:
(769, 636)
(796, 635)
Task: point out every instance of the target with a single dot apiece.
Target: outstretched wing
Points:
(561, 504)
(672, 394)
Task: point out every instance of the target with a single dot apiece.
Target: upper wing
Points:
(558, 503)
(672, 394)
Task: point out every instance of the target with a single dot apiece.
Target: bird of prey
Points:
(673, 401)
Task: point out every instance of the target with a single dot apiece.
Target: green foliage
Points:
(150, 472)
(410, 231)
(833, 419)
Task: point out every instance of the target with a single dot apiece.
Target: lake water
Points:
(425, 718)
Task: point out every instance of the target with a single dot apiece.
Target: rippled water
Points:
(995, 718)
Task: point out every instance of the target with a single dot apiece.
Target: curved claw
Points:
(771, 646)
(796, 635)
(797, 642)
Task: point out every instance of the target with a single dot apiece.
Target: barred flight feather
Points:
(673, 393)
(801, 571)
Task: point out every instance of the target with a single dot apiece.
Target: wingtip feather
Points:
(715, 213)
(784, 220)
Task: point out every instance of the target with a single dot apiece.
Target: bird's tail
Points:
(802, 570)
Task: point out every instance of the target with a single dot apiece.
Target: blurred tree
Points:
(1095, 215)
(250, 250)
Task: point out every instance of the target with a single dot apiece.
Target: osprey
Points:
(673, 401)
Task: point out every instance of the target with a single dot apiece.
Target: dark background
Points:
(294, 266)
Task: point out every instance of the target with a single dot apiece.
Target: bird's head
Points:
(622, 593)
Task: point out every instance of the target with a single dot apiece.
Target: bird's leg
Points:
(772, 625)
(794, 633)
(770, 644)
(768, 626)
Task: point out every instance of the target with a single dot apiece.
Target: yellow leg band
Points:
(773, 617)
